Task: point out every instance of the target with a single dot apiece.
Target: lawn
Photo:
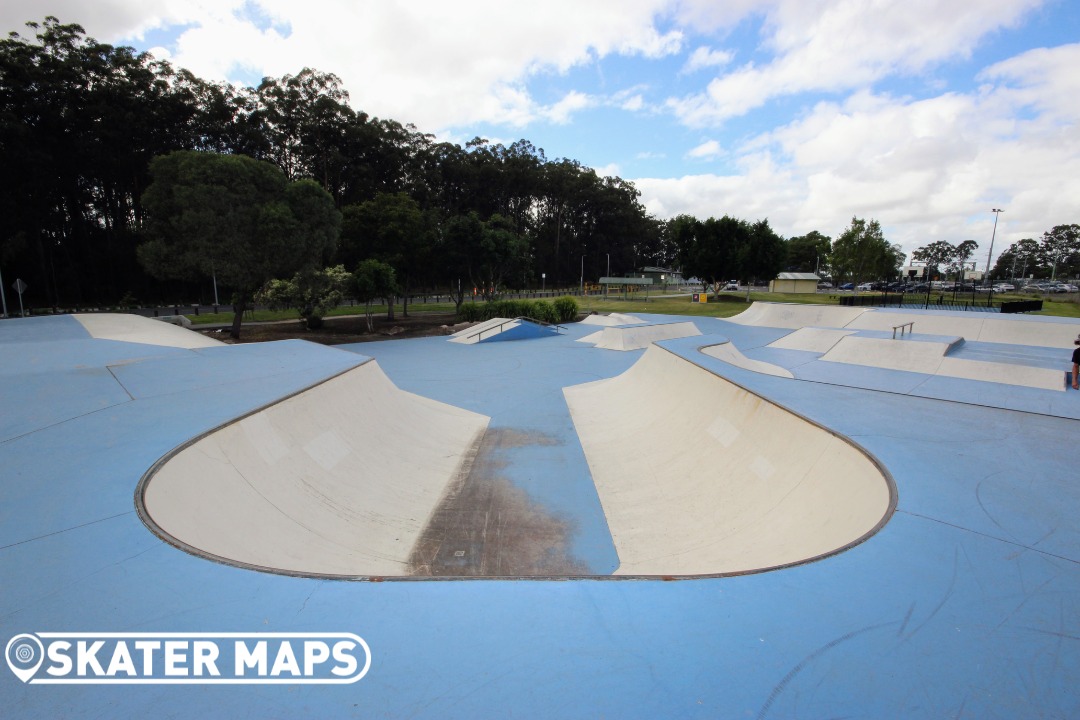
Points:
(723, 305)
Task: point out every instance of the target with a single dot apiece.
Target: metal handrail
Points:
(909, 325)
(478, 333)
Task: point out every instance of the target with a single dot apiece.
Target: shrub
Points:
(561, 310)
(566, 309)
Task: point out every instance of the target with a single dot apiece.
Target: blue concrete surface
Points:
(964, 606)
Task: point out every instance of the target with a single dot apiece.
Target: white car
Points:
(866, 286)
(1004, 287)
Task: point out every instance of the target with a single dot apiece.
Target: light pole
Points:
(2, 296)
(608, 273)
(582, 276)
(996, 212)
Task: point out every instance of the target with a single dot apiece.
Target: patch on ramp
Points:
(339, 480)
(698, 476)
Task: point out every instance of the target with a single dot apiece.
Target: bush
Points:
(566, 308)
(562, 309)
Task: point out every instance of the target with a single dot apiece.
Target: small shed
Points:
(792, 282)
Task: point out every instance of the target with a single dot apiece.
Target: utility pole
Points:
(996, 212)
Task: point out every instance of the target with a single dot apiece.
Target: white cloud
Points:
(706, 150)
(561, 111)
(927, 169)
(704, 57)
(839, 46)
(429, 62)
(610, 170)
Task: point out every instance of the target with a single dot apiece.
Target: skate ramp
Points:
(730, 354)
(475, 333)
(794, 316)
(698, 476)
(981, 327)
(499, 329)
(636, 337)
(931, 358)
(340, 479)
(972, 326)
(138, 329)
(612, 319)
(819, 340)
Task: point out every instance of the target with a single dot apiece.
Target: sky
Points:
(924, 115)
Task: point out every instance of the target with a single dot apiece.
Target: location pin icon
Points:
(24, 654)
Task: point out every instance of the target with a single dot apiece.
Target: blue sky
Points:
(922, 114)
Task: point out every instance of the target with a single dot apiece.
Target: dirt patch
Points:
(341, 330)
(485, 526)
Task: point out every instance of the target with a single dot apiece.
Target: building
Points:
(792, 282)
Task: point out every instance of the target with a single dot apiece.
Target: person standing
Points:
(1076, 364)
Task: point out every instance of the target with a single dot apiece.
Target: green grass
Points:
(272, 315)
(722, 306)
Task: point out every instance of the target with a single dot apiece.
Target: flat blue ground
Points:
(965, 605)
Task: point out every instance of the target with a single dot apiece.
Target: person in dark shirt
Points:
(1076, 365)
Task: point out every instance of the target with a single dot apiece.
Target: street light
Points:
(996, 211)
(582, 276)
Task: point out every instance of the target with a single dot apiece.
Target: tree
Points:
(764, 253)
(234, 218)
(712, 250)
(861, 252)
(312, 293)
(1021, 255)
(373, 279)
(809, 252)
(391, 228)
(964, 250)
(1060, 246)
(484, 252)
(935, 255)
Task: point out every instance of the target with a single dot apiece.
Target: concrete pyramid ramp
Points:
(475, 333)
(636, 337)
(698, 476)
(931, 358)
(138, 329)
(612, 319)
(337, 480)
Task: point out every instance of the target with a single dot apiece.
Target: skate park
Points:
(797, 511)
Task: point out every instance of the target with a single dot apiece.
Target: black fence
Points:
(941, 301)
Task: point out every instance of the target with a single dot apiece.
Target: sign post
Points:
(19, 286)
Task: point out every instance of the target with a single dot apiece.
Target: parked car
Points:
(1070, 288)
(731, 285)
(847, 286)
(824, 285)
(1004, 287)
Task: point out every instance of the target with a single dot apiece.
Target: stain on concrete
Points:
(486, 526)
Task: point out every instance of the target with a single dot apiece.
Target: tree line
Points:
(82, 121)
